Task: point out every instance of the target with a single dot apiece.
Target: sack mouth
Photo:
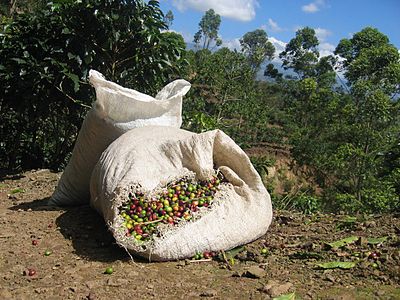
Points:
(145, 248)
(121, 104)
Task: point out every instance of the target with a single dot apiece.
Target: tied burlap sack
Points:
(146, 159)
(115, 111)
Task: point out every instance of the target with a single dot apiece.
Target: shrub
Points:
(46, 57)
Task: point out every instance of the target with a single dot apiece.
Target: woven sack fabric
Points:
(115, 111)
(147, 159)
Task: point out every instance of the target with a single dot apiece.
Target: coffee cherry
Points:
(374, 255)
(182, 198)
(31, 272)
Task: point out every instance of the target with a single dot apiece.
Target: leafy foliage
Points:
(301, 53)
(224, 95)
(46, 57)
(261, 163)
(169, 18)
(256, 46)
(368, 55)
(337, 265)
(208, 29)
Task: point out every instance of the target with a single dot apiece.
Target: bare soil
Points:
(80, 249)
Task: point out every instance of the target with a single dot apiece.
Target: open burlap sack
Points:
(115, 111)
(146, 159)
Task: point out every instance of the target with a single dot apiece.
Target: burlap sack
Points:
(146, 159)
(115, 111)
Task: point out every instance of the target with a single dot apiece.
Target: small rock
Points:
(237, 274)
(370, 224)
(181, 264)
(255, 272)
(275, 289)
(73, 289)
(377, 273)
(92, 284)
(308, 245)
(284, 220)
(330, 278)
(91, 296)
(250, 255)
(116, 282)
(208, 293)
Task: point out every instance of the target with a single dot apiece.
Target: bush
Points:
(46, 57)
(261, 164)
(307, 204)
(379, 197)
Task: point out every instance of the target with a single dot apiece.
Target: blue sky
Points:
(332, 19)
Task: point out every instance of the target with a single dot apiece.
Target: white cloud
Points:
(326, 49)
(273, 26)
(242, 10)
(233, 44)
(313, 7)
(278, 44)
(310, 8)
(322, 33)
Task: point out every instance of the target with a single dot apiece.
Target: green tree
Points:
(369, 56)
(169, 18)
(390, 168)
(208, 29)
(225, 95)
(343, 136)
(257, 48)
(372, 68)
(45, 59)
(221, 77)
(301, 53)
(12, 7)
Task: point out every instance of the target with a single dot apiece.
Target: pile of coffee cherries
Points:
(173, 204)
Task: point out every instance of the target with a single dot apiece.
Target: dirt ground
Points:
(283, 262)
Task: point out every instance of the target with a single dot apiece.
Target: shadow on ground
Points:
(86, 229)
(36, 205)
